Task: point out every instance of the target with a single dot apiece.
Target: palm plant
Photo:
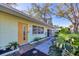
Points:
(12, 45)
(67, 42)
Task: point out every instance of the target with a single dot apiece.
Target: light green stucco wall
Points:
(8, 30)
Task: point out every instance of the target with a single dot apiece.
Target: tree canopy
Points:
(69, 11)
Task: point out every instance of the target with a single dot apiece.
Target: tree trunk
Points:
(76, 28)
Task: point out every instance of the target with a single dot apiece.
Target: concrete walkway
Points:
(44, 47)
(40, 49)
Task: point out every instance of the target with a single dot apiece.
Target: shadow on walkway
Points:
(34, 52)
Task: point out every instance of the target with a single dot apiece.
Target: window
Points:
(42, 30)
(24, 32)
(35, 30)
(38, 30)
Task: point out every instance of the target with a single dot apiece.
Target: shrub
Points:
(37, 39)
(67, 42)
(12, 45)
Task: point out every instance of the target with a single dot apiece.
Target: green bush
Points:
(12, 44)
(37, 39)
(67, 42)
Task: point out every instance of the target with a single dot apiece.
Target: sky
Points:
(55, 20)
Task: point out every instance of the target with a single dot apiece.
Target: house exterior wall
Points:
(9, 29)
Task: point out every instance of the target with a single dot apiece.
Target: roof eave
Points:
(18, 13)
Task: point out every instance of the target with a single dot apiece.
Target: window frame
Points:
(39, 29)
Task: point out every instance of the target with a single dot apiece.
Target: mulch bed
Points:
(30, 53)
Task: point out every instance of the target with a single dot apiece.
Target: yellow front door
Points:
(22, 33)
